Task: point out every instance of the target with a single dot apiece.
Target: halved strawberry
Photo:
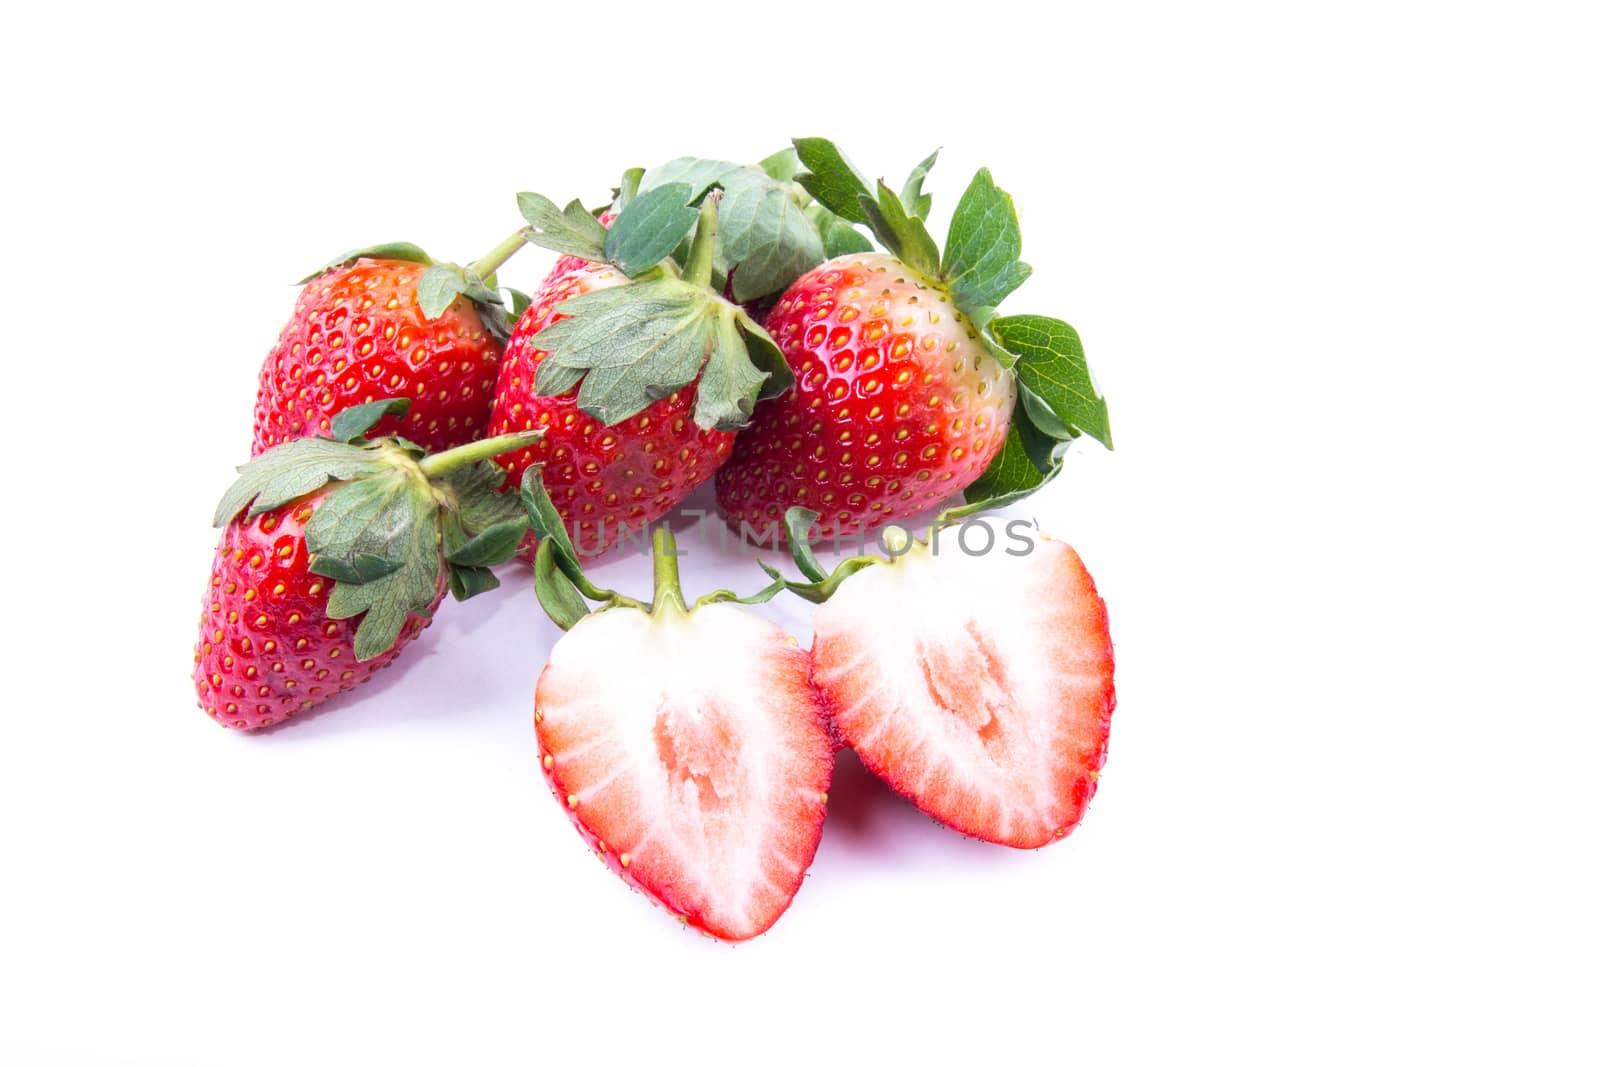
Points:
(688, 746)
(979, 687)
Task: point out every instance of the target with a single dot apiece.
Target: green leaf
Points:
(556, 593)
(553, 379)
(917, 202)
(479, 497)
(698, 174)
(571, 231)
(1040, 415)
(402, 250)
(634, 344)
(395, 519)
(468, 582)
(352, 423)
(366, 517)
(519, 301)
(292, 470)
(495, 545)
(543, 518)
(1051, 363)
(981, 254)
(364, 567)
(839, 238)
(626, 190)
(830, 177)
(783, 164)
(1002, 355)
(767, 357)
(1010, 476)
(766, 239)
(650, 227)
(438, 287)
(729, 384)
(904, 235)
(798, 524)
(1044, 451)
(638, 343)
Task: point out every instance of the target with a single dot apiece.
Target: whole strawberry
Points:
(386, 322)
(602, 478)
(906, 384)
(322, 530)
(635, 367)
(897, 404)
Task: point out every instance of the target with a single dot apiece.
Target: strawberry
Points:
(321, 530)
(602, 478)
(906, 382)
(267, 648)
(699, 770)
(978, 686)
(387, 321)
(896, 406)
(636, 367)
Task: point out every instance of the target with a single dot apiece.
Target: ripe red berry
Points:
(357, 334)
(601, 478)
(897, 404)
(267, 649)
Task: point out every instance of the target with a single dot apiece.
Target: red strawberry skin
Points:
(896, 405)
(356, 335)
(599, 477)
(267, 650)
(979, 687)
(699, 773)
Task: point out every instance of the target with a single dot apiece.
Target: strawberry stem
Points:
(668, 594)
(702, 252)
(498, 255)
(488, 448)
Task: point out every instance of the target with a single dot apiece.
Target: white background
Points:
(1337, 271)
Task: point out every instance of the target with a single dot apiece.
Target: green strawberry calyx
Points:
(669, 326)
(397, 520)
(564, 590)
(683, 316)
(978, 268)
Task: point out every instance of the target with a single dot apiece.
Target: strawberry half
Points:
(334, 555)
(687, 744)
(908, 387)
(387, 322)
(979, 687)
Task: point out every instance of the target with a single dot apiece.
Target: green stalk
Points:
(668, 594)
(702, 252)
(488, 448)
(498, 255)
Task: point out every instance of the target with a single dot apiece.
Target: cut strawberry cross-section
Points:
(980, 687)
(689, 748)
